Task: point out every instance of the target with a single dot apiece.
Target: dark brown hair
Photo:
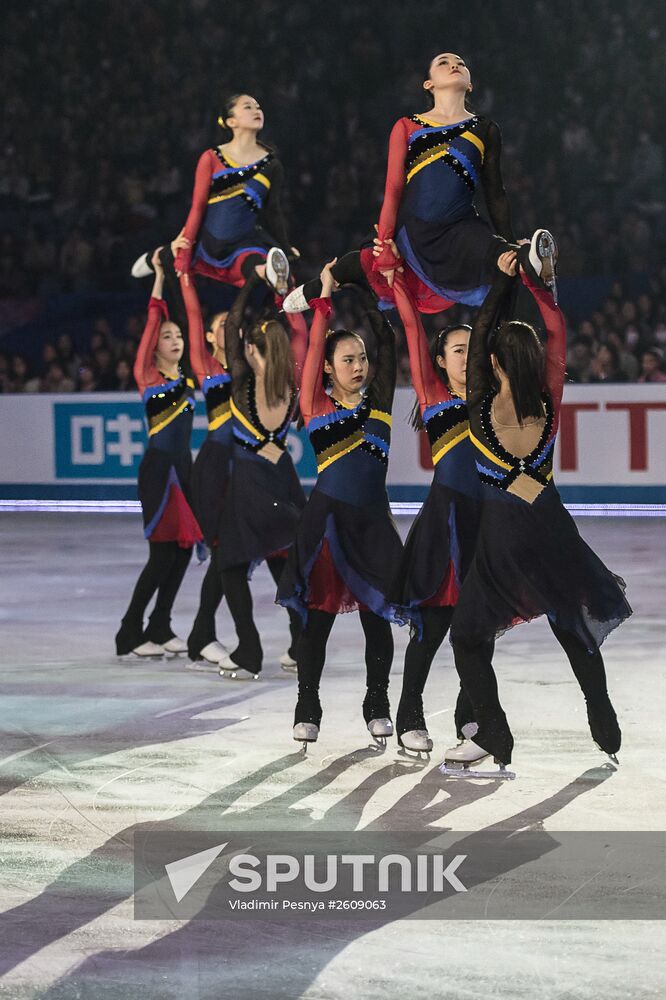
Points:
(520, 354)
(271, 340)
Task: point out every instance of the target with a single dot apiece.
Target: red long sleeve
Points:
(313, 399)
(428, 387)
(556, 346)
(202, 179)
(202, 361)
(395, 184)
(145, 371)
(299, 344)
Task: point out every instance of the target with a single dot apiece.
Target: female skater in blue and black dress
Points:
(529, 558)
(437, 162)
(170, 526)
(262, 506)
(346, 547)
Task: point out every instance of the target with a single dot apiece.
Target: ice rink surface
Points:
(93, 747)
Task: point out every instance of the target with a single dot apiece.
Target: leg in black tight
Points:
(475, 669)
(212, 592)
(590, 673)
(418, 660)
(275, 567)
(251, 261)
(160, 559)
(159, 624)
(378, 660)
(347, 271)
(248, 653)
(311, 657)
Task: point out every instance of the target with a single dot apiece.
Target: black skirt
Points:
(210, 479)
(157, 472)
(261, 509)
(530, 560)
(344, 557)
(440, 546)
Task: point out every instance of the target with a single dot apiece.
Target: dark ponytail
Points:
(272, 342)
(520, 355)
(436, 348)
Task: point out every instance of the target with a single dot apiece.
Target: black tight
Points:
(347, 271)
(163, 573)
(312, 655)
(419, 656)
(212, 592)
(474, 665)
(249, 653)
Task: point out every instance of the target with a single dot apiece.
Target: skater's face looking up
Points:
(453, 358)
(348, 366)
(170, 346)
(447, 70)
(245, 113)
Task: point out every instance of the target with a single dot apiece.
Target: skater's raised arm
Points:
(556, 345)
(497, 202)
(236, 362)
(479, 368)
(382, 387)
(146, 372)
(313, 398)
(428, 387)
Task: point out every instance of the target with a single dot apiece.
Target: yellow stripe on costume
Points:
(334, 458)
(218, 421)
(449, 445)
(262, 180)
(245, 422)
(233, 193)
(167, 420)
(493, 458)
(431, 159)
(474, 139)
(380, 415)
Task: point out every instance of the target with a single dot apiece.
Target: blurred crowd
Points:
(108, 106)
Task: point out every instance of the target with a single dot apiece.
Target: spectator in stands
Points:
(652, 366)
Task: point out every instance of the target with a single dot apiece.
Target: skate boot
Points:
(288, 663)
(604, 727)
(233, 671)
(147, 651)
(410, 725)
(307, 716)
(296, 301)
(175, 646)
(129, 638)
(142, 266)
(208, 659)
(460, 761)
(377, 715)
(277, 271)
(538, 259)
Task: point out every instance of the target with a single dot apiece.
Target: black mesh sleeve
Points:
(497, 202)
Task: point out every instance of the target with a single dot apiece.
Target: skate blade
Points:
(414, 754)
(203, 667)
(238, 675)
(289, 669)
(378, 743)
(468, 772)
(139, 658)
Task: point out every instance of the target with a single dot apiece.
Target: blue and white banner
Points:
(610, 446)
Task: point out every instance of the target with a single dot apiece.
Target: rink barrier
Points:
(87, 447)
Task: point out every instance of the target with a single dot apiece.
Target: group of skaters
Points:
(492, 546)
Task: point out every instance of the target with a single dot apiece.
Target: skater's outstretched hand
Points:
(508, 262)
(380, 247)
(181, 242)
(158, 283)
(328, 282)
